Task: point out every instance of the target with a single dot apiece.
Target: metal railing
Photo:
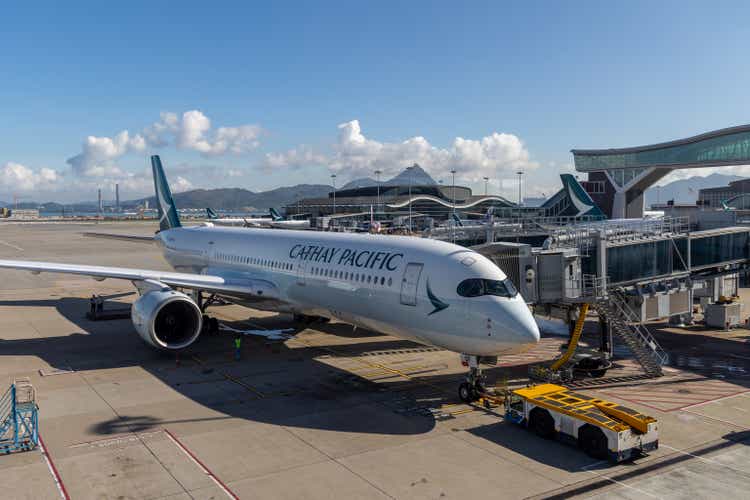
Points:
(622, 308)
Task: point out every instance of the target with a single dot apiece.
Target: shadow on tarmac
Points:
(272, 383)
(283, 384)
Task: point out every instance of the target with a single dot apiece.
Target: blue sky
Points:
(521, 83)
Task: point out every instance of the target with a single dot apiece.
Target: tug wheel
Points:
(542, 423)
(593, 441)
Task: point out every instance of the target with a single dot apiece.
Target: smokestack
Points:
(100, 200)
(117, 197)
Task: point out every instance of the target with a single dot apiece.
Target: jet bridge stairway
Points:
(18, 418)
(624, 323)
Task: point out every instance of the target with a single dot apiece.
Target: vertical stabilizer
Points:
(164, 203)
(580, 198)
(275, 215)
(211, 214)
(457, 220)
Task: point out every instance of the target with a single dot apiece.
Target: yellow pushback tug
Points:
(601, 428)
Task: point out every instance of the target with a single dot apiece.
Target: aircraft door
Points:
(410, 283)
(301, 266)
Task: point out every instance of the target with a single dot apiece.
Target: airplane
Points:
(279, 222)
(418, 289)
(275, 221)
(215, 219)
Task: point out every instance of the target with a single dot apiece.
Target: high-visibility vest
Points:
(237, 343)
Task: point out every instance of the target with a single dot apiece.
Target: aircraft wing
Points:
(251, 287)
(122, 237)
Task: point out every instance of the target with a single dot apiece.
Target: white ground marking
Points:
(715, 400)
(200, 465)
(53, 471)
(702, 459)
(734, 424)
(601, 462)
(11, 245)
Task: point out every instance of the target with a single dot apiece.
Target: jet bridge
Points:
(628, 271)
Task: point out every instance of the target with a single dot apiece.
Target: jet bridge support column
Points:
(605, 333)
(600, 243)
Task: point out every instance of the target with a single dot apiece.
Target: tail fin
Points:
(275, 215)
(211, 214)
(580, 198)
(457, 220)
(168, 217)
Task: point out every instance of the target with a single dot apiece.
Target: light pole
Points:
(453, 174)
(377, 177)
(333, 180)
(411, 175)
(485, 185)
(520, 174)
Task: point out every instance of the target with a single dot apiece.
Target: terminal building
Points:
(617, 178)
(717, 196)
(437, 201)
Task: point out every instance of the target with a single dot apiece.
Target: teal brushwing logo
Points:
(438, 304)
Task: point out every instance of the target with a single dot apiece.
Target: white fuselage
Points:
(261, 222)
(402, 286)
(241, 222)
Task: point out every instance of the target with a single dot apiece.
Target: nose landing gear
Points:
(474, 387)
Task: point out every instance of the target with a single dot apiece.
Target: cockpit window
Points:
(475, 287)
(471, 288)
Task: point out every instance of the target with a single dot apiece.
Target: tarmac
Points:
(325, 411)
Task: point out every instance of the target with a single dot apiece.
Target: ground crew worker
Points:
(237, 346)
(92, 304)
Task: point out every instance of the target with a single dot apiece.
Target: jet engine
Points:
(167, 319)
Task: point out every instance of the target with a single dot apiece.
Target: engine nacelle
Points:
(167, 319)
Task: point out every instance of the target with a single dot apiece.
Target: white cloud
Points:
(16, 177)
(180, 184)
(98, 153)
(294, 158)
(189, 131)
(357, 155)
(193, 132)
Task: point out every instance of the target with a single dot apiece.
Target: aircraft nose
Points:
(526, 329)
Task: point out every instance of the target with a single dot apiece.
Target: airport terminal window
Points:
(475, 287)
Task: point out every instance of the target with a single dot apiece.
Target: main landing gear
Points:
(210, 324)
(474, 387)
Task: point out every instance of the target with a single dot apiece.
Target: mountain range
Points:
(686, 190)
(416, 176)
(681, 191)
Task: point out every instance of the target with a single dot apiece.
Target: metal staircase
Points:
(19, 418)
(624, 322)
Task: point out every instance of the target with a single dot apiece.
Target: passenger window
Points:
(390, 281)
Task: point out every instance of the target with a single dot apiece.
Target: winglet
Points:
(168, 217)
(580, 198)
